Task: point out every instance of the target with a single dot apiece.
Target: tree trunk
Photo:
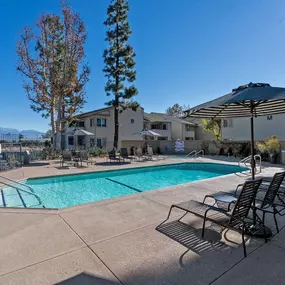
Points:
(116, 122)
(53, 127)
(116, 109)
(58, 124)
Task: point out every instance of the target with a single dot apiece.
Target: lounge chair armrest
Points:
(216, 209)
(239, 185)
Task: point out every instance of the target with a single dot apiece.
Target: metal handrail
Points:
(248, 158)
(17, 182)
(193, 152)
(19, 189)
(258, 156)
(200, 151)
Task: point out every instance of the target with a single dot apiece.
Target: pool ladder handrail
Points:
(193, 152)
(19, 189)
(16, 182)
(248, 158)
(200, 151)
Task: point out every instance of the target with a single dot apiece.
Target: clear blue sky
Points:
(188, 51)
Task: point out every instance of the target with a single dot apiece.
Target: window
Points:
(159, 126)
(92, 142)
(70, 140)
(162, 138)
(81, 124)
(228, 123)
(100, 143)
(269, 118)
(101, 122)
(188, 128)
(80, 140)
(132, 121)
(189, 138)
(91, 122)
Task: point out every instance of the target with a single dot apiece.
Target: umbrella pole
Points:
(252, 146)
(254, 230)
(252, 160)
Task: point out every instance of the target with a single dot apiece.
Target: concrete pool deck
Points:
(115, 241)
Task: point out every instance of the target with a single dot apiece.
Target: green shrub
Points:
(96, 151)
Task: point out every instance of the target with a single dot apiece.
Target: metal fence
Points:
(13, 155)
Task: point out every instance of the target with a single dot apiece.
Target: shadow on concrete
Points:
(113, 163)
(36, 164)
(87, 279)
(191, 237)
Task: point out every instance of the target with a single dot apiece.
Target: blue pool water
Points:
(65, 191)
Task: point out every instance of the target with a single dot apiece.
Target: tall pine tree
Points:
(119, 62)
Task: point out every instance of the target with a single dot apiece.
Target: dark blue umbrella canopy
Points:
(257, 99)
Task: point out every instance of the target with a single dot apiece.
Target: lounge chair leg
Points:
(203, 229)
(183, 216)
(167, 216)
(275, 220)
(263, 224)
(243, 243)
(169, 212)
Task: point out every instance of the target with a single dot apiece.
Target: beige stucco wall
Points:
(163, 133)
(262, 128)
(179, 131)
(126, 127)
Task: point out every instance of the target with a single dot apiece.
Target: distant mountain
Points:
(13, 133)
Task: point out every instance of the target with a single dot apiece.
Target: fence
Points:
(13, 155)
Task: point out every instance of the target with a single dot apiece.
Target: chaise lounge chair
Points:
(124, 154)
(66, 158)
(266, 205)
(85, 158)
(234, 220)
(113, 157)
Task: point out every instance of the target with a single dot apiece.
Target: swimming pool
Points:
(70, 190)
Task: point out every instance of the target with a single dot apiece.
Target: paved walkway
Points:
(115, 241)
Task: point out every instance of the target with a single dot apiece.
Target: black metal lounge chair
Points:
(234, 220)
(267, 204)
(66, 158)
(124, 154)
(113, 157)
(85, 158)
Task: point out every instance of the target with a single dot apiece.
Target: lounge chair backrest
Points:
(149, 150)
(66, 155)
(112, 154)
(84, 154)
(273, 189)
(244, 201)
(139, 151)
(124, 152)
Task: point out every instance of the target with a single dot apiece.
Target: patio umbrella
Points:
(146, 132)
(79, 132)
(250, 100)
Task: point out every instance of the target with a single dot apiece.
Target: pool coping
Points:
(127, 168)
(117, 199)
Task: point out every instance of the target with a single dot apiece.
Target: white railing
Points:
(248, 159)
(200, 151)
(12, 185)
(193, 152)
